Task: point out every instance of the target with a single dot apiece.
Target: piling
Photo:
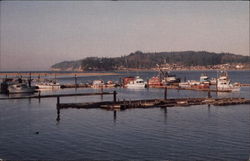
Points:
(209, 94)
(58, 100)
(114, 94)
(114, 114)
(58, 114)
(39, 96)
(165, 93)
(75, 81)
(29, 81)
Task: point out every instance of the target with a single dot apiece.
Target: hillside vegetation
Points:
(142, 60)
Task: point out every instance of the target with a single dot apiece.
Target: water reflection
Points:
(114, 116)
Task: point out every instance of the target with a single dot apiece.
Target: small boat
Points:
(21, 88)
(48, 85)
(198, 85)
(98, 84)
(184, 85)
(137, 83)
(194, 84)
(110, 84)
(224, 83)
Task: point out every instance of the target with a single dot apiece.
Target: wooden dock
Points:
(126, 104)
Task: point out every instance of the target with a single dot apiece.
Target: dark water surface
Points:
(182, 133)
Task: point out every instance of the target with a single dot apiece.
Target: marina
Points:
(130, 80)
(88, 110)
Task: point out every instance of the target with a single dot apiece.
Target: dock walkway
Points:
(150, 103)
(58, 95)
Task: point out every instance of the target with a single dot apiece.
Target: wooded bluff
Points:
(149, 60)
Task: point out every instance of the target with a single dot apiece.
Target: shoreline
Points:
(54, 74)
(97, 73)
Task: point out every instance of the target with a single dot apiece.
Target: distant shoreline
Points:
(35, 73)
(88, 73)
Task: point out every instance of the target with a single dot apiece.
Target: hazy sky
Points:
(35, 35)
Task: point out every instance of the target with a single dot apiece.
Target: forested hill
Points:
(142, 60)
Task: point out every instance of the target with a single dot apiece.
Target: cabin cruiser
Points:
(224, 83)
(137, 83)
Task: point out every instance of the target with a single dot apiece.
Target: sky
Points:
(37, 34)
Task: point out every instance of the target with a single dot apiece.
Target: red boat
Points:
(126, 80)
(154, 81)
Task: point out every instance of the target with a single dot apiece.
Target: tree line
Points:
(149, 60)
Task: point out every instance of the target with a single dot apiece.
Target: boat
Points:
(48, 85)
(170, 79)
(184, 85)
(194, 84)
(110, 84)
(21, 88)
(126, 80)
(137, 83)
(155, 81)
(224, 83)
(6, 83)
(16, 85)
(163, 78)
(98, 84)
(204, 79)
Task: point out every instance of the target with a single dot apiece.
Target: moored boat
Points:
(110, 84)
(204, 79)
(154, 82)
(137, 83)
(21, 88)
(170, 79)
(48, 85)
(98, 84)
(224, 83)
(126, 80)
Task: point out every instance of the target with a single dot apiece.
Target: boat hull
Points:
(48, 86)
(27, 90)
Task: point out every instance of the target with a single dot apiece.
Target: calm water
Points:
(183, 133)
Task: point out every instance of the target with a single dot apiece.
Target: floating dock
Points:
(150, 103)
(58, 95)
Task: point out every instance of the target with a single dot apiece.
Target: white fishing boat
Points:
(137, 83)
(224, 83)
(48, 85)
(21, 88)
